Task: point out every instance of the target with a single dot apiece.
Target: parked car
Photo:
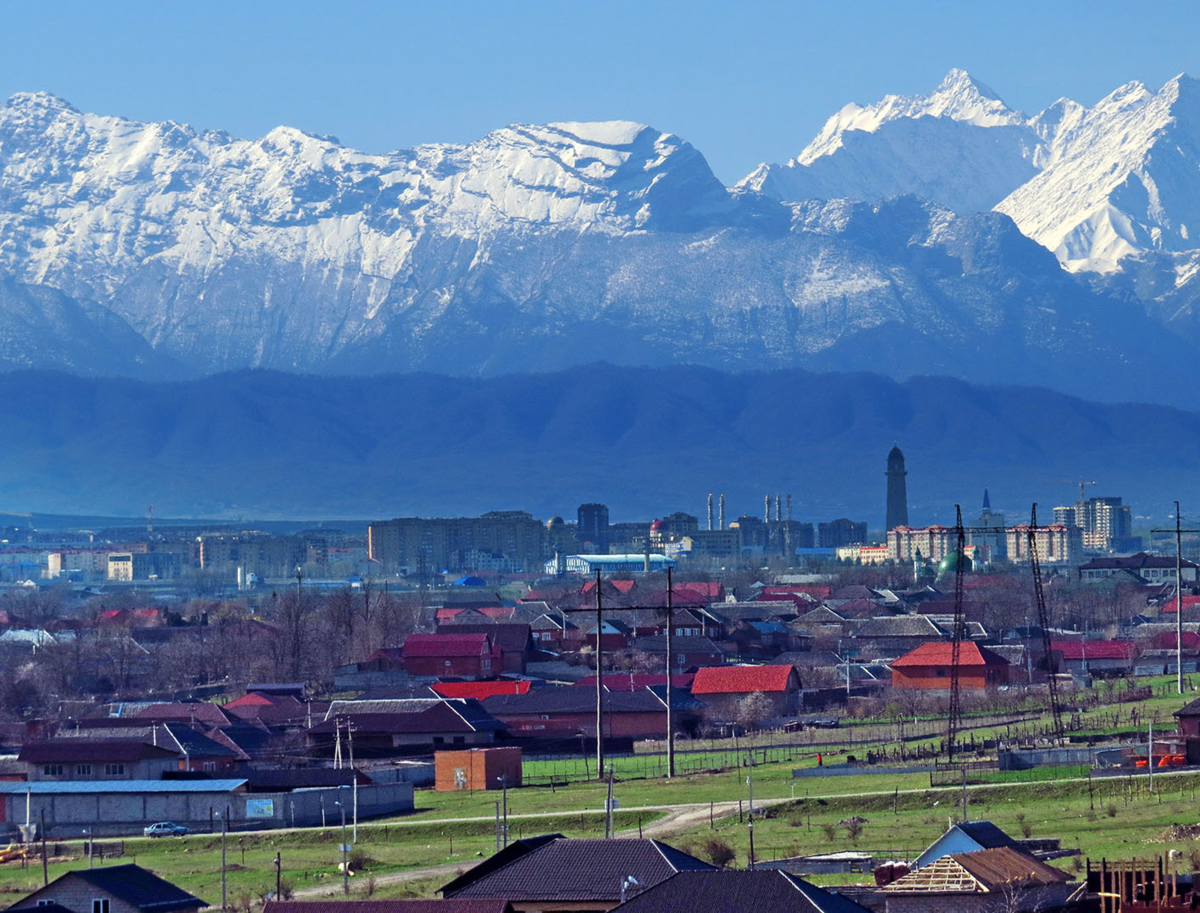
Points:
(164, 829)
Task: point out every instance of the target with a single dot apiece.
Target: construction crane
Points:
(958, 635)
(1039, 594)
(1082, 483)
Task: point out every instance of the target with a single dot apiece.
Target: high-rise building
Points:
(593, 525)
(839, 533)
(897, 490)
(1107, 524)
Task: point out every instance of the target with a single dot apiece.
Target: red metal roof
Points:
(446, 645)
(1168, 607)
(1094, 649)
(1166, 640)
(941, 653)
(740, 679)
(479, 690)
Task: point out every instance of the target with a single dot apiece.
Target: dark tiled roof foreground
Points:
(558, 869)
(737, 891)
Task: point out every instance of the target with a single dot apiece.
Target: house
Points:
(387, 728)
(96, 759)
(514, 640)
(561, 714)
(635, 681)
(452, 655)
(554, 632)
(966, 837)
(686, 652)
(614, 636)
(195, 751)
(477, 768)
(722, 688)
(1094, 657)
(1189, 719)
(1141, 568)
(110, 889)
(763, 639)
(552, 873)
(929, 667)
(735, 891)
(985, 881)
(892, 635)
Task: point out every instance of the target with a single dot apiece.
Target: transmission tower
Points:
(1039, 594)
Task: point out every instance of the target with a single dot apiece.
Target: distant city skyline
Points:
(744, 84)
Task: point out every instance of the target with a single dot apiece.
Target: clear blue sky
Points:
(744, 82)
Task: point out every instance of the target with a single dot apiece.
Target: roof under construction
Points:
(980, 872)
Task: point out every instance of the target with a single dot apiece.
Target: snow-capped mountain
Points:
(1094, 185)
(1119, 178)
(960, 146)
(178, 251)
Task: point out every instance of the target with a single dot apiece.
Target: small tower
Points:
(897, 490)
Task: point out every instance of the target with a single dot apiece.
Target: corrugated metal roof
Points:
(47, 787)
(941, 654)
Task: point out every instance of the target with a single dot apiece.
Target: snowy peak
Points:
(960, 146)
(1118, 178)
(958, 97)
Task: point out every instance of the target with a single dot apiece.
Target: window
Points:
(114, 770)
(53, 770)
(100, 905)
(210, 765)
(83, 770)
(486, 665)
(47, 902)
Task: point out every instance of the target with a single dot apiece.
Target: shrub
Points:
(359, 860)
(719, 852)
(1111, 810)
(829, 831)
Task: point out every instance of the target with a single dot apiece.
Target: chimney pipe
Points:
(722, 526)
(710, 512)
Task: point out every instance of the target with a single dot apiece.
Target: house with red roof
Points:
(722, 688)
(473, 656)
(929, 667)
(1094, 657)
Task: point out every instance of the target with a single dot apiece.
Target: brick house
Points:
(110, 889)
(451, 655)
(389, 728)
(686, 652)
(550, 631)
(722, 688)
(563, 713)
(929, 666)
(513, 640)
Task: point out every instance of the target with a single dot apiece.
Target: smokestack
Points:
(766, 508)
(710, 512)
(789, 508)
(722, 520)
(778, 516)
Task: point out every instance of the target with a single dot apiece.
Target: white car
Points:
(164, 829)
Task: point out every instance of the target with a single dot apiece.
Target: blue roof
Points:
(470, 581)
(48, 787)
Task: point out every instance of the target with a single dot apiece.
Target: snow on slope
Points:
(960, 146)
(1120, 177)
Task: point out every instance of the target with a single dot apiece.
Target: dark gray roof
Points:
(576, 870)
(737, 891)
(572, 700)
(987, 835)
(657, 643)
(138, 887)
(900, 626)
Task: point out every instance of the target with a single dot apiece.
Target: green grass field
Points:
(1116, 818)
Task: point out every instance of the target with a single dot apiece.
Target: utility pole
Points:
(1150, 753)
(224, 831)
(278, 876)
(750, 785)
(1179, 531)
(608, 809)
(670, 659)
(752, 841)
(599, 681)
(497, 827)
(503, 778)
(345, 851)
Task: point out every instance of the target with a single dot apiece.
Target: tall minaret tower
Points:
(897, 490)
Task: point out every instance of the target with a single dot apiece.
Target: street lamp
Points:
(87, 837)
(345, 849)
(503, 781)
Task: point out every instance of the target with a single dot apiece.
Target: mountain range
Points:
(936, 234)
(645, 441)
